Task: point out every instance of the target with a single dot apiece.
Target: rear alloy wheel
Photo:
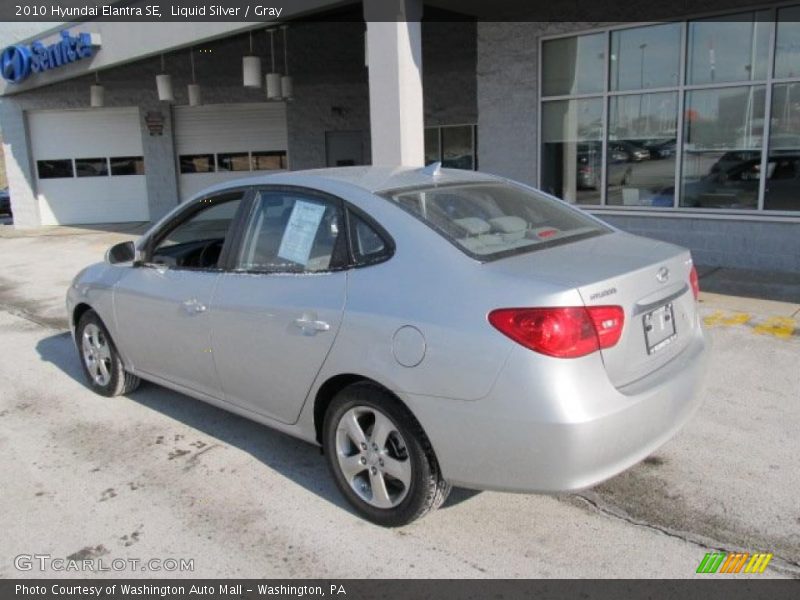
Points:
(99, 358)
(380, 457)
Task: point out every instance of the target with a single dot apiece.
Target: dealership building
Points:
(686, 128)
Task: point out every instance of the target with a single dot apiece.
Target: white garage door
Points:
(89, 165)
(221, 142)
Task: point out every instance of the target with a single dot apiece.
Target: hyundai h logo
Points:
(662, 275)
(15, 63)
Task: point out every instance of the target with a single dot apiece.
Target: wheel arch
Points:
(335, 384)
(80, 309)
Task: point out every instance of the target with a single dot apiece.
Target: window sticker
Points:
(298, 237)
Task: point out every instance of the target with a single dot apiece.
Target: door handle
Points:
(311, 325)
(193, 306)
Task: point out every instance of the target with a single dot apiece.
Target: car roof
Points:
(368, 178)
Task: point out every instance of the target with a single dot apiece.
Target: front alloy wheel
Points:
(100, 360)
(380, 457)
(96, 354)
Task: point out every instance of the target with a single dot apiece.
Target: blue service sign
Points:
(17, 62)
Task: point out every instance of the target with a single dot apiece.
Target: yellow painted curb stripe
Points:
(780, 327)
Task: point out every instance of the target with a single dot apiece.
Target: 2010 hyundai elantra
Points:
(426, 327)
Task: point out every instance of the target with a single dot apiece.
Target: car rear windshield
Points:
(493, 220)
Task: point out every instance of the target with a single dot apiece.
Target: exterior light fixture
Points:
(164, 84)
(96, 92)
(193, 88)
(251, 68)
(273, 78)
(287, 87)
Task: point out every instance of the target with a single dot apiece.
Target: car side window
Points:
(369, 246)
(197, 241)
(292, 231)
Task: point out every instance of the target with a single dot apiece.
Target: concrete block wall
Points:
(766, 245)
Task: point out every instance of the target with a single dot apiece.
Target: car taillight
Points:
(563, 332)
(694, 281)
(608, 322)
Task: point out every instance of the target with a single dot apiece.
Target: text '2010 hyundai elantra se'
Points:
(426, 327)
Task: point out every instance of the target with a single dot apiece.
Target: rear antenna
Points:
(434, 169)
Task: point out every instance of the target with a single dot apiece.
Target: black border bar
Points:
(708, 588)
(257, 11)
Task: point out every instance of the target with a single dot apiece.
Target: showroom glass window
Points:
(685, 115)
(455, 146)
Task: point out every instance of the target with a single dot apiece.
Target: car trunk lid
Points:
(647, 278)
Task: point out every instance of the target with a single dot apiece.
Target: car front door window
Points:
(197, 241)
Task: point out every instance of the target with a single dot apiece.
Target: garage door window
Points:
(268, 161)
(233, 161)
(91, 167)
(197, 163)
(53, 169)
(127, 165)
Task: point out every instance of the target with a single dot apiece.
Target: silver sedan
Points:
(426, 327)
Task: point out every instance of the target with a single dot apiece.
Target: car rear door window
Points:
(293, 232)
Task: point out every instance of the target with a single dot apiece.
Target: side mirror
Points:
(121, 253)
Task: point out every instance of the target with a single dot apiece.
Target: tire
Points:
(101, 363)
(404, 460)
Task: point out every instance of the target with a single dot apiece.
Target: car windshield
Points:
(493, 220)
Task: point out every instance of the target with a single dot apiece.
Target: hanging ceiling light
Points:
(273, 78)
(251, 68)
(287, 87)
(193, 88)
(96, 92)
(164, 84)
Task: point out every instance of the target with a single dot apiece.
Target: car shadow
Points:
(296, 460)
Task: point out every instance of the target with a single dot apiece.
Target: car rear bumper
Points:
(562, 432)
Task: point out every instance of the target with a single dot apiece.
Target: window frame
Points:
(188, 212)
(770, 81)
